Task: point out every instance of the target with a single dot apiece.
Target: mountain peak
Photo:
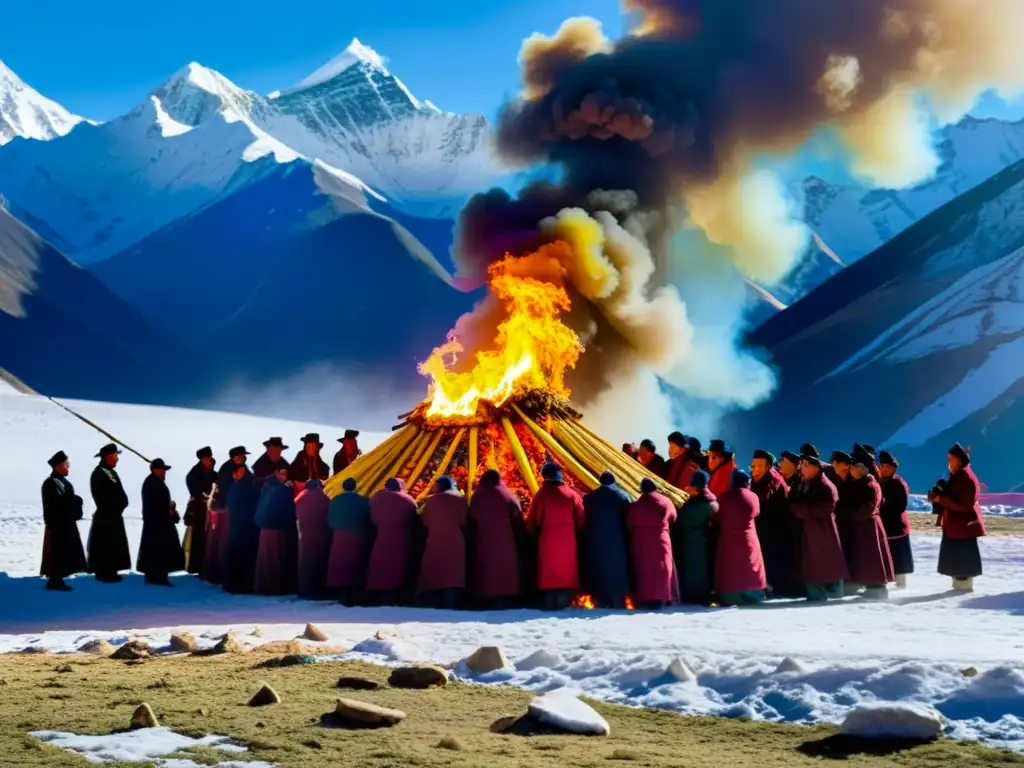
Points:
(355, 54)
(27, 113)
(195, 93)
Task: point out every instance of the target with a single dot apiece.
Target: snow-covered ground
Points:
(912, 648)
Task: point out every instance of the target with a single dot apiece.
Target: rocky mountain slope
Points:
(27, 114)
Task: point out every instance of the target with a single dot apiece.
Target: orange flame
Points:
(532, 347)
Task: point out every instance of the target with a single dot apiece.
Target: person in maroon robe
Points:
(872, 563)
(962, 521)
(629, 449)
(721, 463)
(277, 557)
(776, 532)
(497, 536)
(311, 510)
(442, 582)
(349, 450)
(739, 568)
(655, 581)
(556, 518)
(813, 501)
(647, 454)
(395, 553)
(895, 499)
(271, 461)
(352, 534)
(308, 465)
(681, 465)
(840, 463)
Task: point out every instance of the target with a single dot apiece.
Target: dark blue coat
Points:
(605, 549)
(276, 508)
(350, 511)
(243, 535)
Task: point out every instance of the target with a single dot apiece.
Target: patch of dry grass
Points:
(448, 726)
(921, 522)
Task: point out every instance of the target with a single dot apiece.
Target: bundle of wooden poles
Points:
(421, 447)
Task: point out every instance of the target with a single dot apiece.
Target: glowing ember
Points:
(583, 601)
(532, 348)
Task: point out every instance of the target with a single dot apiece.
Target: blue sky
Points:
(99, 59)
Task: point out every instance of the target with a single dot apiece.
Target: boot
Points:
(901, 581)
(963, 585)
(58, 585)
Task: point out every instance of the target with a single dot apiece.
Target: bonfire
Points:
(506, 407)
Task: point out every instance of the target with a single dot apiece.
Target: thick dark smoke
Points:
(665, 129)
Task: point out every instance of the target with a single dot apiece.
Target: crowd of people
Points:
(798, 527)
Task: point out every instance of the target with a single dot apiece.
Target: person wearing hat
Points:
(394, 558)
(556, 519)
(242, 539)
(277, 556)
(777, 532)
(962, 521)
(789, 467)
(721, 463)
(108, 540)
(681, 464)
(629, 449)
(442, 582)
(311, 510)
(813, 501)
(349, 450)
(739, 568)
(271, 460)
(308, 465)
(351, 542)
(839, 474)
(604, 557)
(648, 455)
(691, 543)
(160, 552)
(871, 563)
(649, 522)
(63, 554)
(497, 541)
(865, 454)
(200, 481)
(895, 500)
(218, 517)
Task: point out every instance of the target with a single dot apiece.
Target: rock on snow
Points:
(893, 721)
(562, 709)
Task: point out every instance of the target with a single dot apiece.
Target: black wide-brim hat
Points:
(312, 437)
(238, 450)
(350, 434)
(275, 442)
(110, 449)
(717, 446)
(159, 464)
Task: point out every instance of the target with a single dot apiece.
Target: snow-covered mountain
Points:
(198, 137)
(913, 347)
(850, 221)
(26, 113)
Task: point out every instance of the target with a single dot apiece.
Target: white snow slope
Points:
(198, 137)
(26, 113)
(849, 652)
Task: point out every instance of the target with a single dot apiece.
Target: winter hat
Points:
(444, 484)
(647, 486)
(887, 459)
(961, 453)
(760, 453)
(490, 479)
(109, 449)
(841, 457)
(808, 449)
(393, 484)
(693, 444)
(551, 472)
(740, 479)
(607, 478)
(700, 480)
(791, 456)
(205, 452)
(58, 458)
(349, 484)
(677, 438)
(238, 450)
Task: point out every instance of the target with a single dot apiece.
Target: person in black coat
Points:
(237, 457)
(217, 517)
(200, 481)
(160, 551)
(108, 541)
(63, 554)
(648, 455)
(349, 450)
(271, 461)
(308, 465)
(243, 535)
(605, 552)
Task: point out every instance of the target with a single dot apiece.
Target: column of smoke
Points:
(661, 132)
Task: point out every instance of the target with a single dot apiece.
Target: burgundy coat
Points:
(681, 469)
(444, 557)
(895, 498)
(497, 526)
(871, 562)
(393, 514)
(721, 478)
(311, 505)
(654, 569)
(961, 514)
(556, 516)
(739, 566)
(821, 555)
